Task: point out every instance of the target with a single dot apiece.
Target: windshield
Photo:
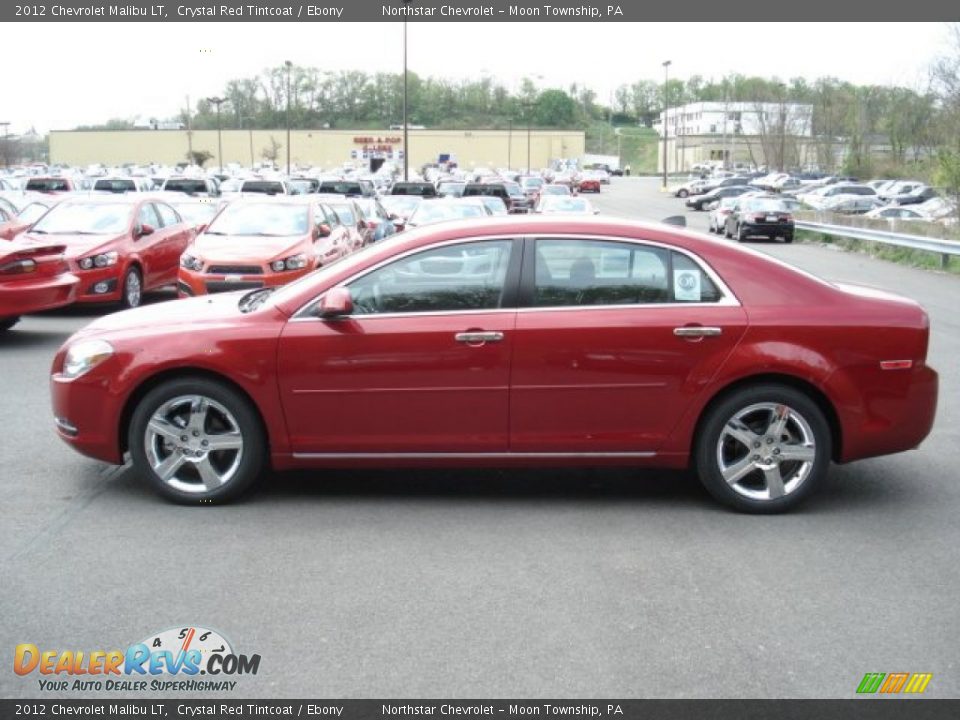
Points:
(341, 188)
(437, 211)
(764, 205)
(32, 212)
(86, 218)
(532, 182)
(48, 185)
(262, 219)
(185, 185)
(263, 186)
(117, 186)
(565, 204)
(196, 213)
(400, 204)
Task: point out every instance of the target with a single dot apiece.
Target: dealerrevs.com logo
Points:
(172, 660)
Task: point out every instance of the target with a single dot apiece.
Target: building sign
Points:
(376, 145)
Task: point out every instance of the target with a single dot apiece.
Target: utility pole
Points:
(218, 101)
(289, 66)
(6, 143)
(666, 113)
(250, 131)
(406, 120)
(189, 131)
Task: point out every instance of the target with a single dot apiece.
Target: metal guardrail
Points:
(944, 248)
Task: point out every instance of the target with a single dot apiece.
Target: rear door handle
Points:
(478, 337)
(697, 331)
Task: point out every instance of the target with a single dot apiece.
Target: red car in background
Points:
(588, 182)
(119, 246)
(264, 242)
(33, 277)
(510, 342)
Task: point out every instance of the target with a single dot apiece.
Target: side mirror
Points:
(144, 229)
(322, 230)
(336, 303)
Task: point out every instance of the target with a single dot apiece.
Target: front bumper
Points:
(191, 283)
(20, 297)
(99, 285)
(768, 230)
(82, 408)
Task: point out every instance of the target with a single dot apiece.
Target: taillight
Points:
(788, 218)
(18, 267)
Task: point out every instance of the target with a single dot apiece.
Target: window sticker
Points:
(686, 285)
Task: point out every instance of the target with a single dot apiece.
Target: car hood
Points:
(244, 248)
(174, 315)
(77, 246)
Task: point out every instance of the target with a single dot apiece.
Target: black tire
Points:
(726, 231)
(246, 465)
(682, 193)
(804, 477)
(8, 322)
(131, 291)
(788, 238)
(741, 235)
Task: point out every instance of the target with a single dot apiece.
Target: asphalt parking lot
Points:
(549, 583)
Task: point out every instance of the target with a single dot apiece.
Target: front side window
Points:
(467, 276)
(600, 272)
(167, 214)
(148, 216)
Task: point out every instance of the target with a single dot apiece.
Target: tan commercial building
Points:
(322, 148)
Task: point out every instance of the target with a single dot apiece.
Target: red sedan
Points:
(119, 246)
(510, 342)
(33, 277)
(589, 182)
(263, 243)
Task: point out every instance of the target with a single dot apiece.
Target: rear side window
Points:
(600, 272)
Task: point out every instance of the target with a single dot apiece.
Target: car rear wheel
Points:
(741, 234)
(763, 449)
(8, 322)
(682, 194)
(726, 232)
(132, 288)
(197, 441)
(788, 238)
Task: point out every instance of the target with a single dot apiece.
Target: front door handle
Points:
(478, 337)
(697, 331)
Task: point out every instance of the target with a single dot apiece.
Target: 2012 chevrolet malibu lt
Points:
(506, 342)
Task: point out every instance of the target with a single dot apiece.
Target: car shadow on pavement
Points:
(555, 484)
(23, 338)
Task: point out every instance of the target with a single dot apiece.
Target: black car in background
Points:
(699, 202)
(766, 217)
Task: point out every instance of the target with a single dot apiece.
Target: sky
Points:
(86, 73)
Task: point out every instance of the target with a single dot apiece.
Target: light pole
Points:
(250, 130)
(527, 107)
(218, 101)
(289, 66)
(666, 113)
(406, 120)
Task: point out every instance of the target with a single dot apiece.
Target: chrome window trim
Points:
(728, 299)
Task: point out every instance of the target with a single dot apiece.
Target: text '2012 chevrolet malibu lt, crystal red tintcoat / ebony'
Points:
(506, 342)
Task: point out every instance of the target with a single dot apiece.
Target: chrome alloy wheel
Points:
(193, 444)
(133, 289)
(766, 451)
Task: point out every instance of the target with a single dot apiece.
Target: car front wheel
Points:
(197, 441)
(763, 449)
(682, 194)
(132, 289)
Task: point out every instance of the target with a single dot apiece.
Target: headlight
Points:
(84, 356)
(294, 262)
(191, 263)
(101, 261)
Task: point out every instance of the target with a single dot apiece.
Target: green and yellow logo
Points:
(893, 683)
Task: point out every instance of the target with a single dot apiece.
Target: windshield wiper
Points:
(214, 232)
(254, 299)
